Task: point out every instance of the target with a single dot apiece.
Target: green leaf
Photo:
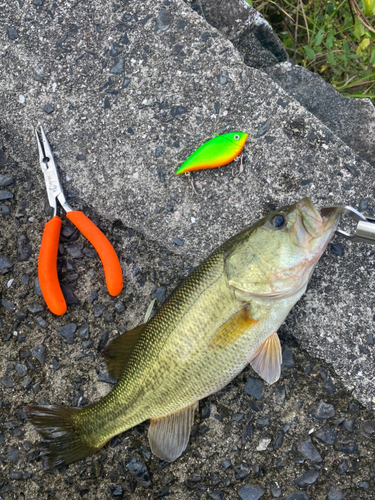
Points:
(372, 60)
(331, 58)
(329, 40)
(359, 29)
(346, 48)
(318, 38)
(330, 8)
(309, 52)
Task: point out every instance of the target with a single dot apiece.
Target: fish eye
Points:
(278, 221)
(236, 137)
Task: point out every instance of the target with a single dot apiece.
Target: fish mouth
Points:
(316, 222)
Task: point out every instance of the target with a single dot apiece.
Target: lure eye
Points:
(236, 137)
(278, 221)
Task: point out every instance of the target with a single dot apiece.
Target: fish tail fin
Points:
(61, 431)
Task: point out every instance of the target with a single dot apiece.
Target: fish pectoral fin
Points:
(267, 360)
(169, 436)
(233, 329)
(116, 353)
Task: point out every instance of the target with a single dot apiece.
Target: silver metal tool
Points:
(365, 230)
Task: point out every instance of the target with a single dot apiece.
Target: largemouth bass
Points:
(223, 316)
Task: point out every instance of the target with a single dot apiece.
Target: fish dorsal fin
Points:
(267, 360)
(233, 329)
(169, 436)
(117, 352)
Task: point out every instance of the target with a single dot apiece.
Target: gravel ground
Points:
(305, 437)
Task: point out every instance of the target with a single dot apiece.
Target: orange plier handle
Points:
(47, 264)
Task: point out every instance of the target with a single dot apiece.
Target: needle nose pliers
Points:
(47, 263)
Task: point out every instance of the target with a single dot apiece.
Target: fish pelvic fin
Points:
(59, 427)
(169, 436)
(267, 359)
(117, 352)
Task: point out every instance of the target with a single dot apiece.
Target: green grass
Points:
(333, 39)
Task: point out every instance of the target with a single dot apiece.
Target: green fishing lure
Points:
(216, 152)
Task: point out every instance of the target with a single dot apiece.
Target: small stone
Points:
(159, 294)
(363, 484)
(288, 361)
(216, 495)
(75, 250)
(280, 395)
(343, 467)
(226, 464)
(35, 307)
(48, 109)
(178, 242)
(369, 427)
(12, 34)
(335, 494)
(115, 50)
(5, 195)
(68, 332)
(263, 444)
(308, 450)
(69, 296)
(327, 436)
(80, 157)
(307, 478)
(329, 386)
(348, 425)
(5, 264)
(83, 331)
(118, 67)
(21, 369)
(276, 491)
(206, 411)
(163, 21)
(125, 83)
(251, 492)
(298, 496)
(363, 205)
(103, 340)
(99, 309)
(38, 3)
(222, 78)
(40, 353)
(139, 471)
(241, 471)
(119, 306)
(116, 491)
(7, 382)
(37, 288)
(9, 306)
(337, 249)
(158, 151)
(352, 448)
(55, 364)
(254, 387)
(237, 417)
(4, 210)
(279, 440)
(41, 322)
(322, 411)
(24, 248)
(5, 180)
(13, 456)
(178, 110)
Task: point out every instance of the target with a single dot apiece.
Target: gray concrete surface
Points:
(126, 92)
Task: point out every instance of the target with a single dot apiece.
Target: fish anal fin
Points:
(116, 353)
(236, 326)
(169, 436)
(267, 359)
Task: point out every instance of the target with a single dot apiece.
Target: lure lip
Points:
(243, 136)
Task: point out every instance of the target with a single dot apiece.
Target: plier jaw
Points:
(365, 230)
(51, 177)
